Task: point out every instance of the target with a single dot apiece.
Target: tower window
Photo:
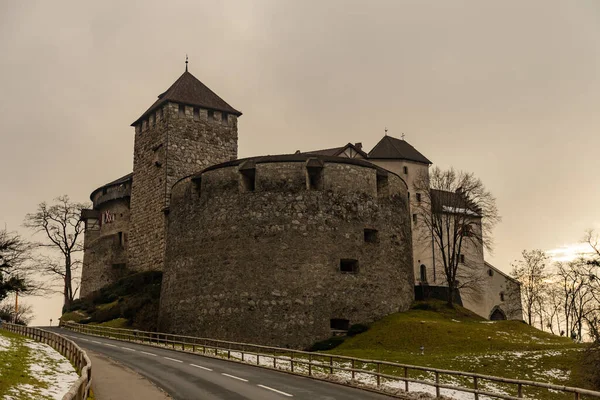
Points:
(181, 111)
(371, 235)
(501, 296)
(338, 324)
(152, 120)
(490, 272)
(315, 178)
(382, 184)
(418, 196)
(349, 266)
(196, 114)
(415, 218)
(224, 118)
(423, 270)
(405, 170)
(461, 258)
(211, 115)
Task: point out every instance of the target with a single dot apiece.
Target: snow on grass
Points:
(54, 374)
(4, 343)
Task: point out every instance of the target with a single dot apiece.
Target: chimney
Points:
(358, 145)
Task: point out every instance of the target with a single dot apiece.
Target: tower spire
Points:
(186, 62)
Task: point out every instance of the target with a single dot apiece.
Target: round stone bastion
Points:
(285, 250)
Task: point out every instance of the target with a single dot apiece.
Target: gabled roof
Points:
(337, 151)
(190, 91)
(392, 148)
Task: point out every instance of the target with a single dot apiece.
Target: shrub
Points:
(327, 344)
(356, 329)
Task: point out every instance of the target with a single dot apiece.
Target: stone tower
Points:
(187, 129)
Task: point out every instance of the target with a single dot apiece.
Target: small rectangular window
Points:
(338, 324)
(415, 218)
(382, 185)
(418, 196)
(181, 110)
(349, 266)
(224, 118)
(501, 296)
(405, 170)
(211, 115)
(371, 235)
(461, 258)
(196, 114)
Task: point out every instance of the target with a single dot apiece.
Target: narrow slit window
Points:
(349, 266)
(501, 296)
(461, 258)
(248, 179)
(339, 324)
(371, 235)
(419, 197)
(315, 178)
(405, 170)
(196, 114)
(224, 118)
(211, 115)
(181, 111)
(415, 218)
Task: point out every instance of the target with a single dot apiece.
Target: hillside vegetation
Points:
(132, 301)
(457, 339)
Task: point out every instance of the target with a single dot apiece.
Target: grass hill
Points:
(132, 301)
(458, 339)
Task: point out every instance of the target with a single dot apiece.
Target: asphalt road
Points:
(190, 376)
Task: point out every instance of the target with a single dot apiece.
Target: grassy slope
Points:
(460, 340)
(14, 365)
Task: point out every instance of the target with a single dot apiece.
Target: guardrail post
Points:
(310, 365)
(406, 379)
(437, 384)
(519, 390)
(352, 367)
(475, 387)
(378, 374)
(330, 365)
(292, 361)
(577, 397)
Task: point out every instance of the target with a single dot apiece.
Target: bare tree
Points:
(23, 315)
(530, 271)
(62, 227)
(459, 213)
(14, 252)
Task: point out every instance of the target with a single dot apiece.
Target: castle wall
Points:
(105, 246)
(263, 266)
(168, 146)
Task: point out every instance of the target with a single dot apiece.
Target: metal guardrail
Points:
(81, 388)
(324, 366)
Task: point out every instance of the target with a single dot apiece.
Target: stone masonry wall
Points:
(168, 147)
(105, 249)
(263, 266)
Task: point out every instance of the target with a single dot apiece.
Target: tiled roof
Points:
(190, 91)
(392, 148)
(336, 151)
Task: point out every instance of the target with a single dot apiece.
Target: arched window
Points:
(423, 273)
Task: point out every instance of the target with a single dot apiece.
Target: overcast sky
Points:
(508, 90)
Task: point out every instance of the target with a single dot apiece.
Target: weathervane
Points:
(403, 135)
(385, 131)
(186, 62)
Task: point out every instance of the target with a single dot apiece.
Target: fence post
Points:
(292, 361)
(310, 365)
(352, 367)
(577, 397)
(406, 379)
(379, 376)
(520, 390)
(437, 384)
(475, 386)
(330, 365)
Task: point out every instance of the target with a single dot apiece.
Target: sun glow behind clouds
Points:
(570, 252)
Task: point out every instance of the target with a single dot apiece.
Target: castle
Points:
(280, 250)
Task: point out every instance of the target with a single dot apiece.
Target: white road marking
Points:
(150, 354)
(201, 367)
(235, 377)
(108, 344)
(84, 339)
(276, 391)
(172, 359)
(93, 341)
(127, 348)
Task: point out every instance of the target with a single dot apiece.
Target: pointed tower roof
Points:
(190, 91)
(397, 149)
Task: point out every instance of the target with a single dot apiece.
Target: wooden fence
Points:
(325, 366)
(81, 388)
